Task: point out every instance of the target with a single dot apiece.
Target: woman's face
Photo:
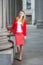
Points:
(21, 13)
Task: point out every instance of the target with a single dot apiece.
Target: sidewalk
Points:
(33, 49)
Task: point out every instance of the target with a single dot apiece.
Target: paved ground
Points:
(5, 59)
(33, 49)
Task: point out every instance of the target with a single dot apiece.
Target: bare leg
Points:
(18, 49)
(21, 51)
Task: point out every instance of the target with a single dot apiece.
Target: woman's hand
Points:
(21, 16)
(8, 31)
(24, 37)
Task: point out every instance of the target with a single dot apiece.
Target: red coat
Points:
(14, 27)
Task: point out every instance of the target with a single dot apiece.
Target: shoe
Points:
(18, 59)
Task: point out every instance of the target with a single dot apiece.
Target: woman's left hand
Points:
(24, 37)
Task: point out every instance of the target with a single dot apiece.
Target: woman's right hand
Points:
(21, 17)
(8, 31)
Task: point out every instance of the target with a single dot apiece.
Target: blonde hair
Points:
(22, 18)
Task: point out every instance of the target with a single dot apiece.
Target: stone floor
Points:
(33, 48)
(5, 59)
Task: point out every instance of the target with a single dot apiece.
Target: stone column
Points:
(39, 13)
(24, 5)
(33, 10)
(10, 13)
(39, 10)
(6, 47)
(15, 8)
(7, 8)
(4, 14)
(0, 14)
(3, 17)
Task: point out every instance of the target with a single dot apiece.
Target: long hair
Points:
(23, 18)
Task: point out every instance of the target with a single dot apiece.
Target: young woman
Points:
(19, 30)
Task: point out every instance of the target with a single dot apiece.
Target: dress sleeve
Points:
(24, 28)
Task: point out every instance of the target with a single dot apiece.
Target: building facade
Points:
(33, 11)
(14, 6)
(29, 8)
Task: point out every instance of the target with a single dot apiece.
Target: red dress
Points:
(19, 37)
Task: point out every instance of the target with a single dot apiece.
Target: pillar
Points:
(0, 14)
(10, 13)
(4, 14)
(7, 12)
(33, 11)
(6, 47)
(39, 13)
(24, 4)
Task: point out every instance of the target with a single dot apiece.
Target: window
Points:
(28, 3)
(29, 19)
